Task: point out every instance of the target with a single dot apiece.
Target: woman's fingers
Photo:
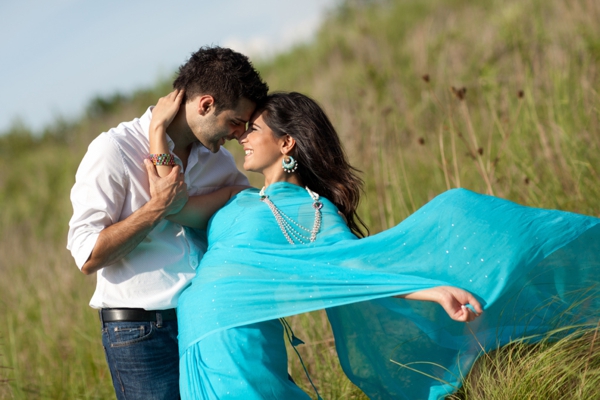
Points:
(475, 303)
(464, 297)
(178, 94)
(167, 107)
(174, 97)
(470, 308)
(171, 96)
(468, 314)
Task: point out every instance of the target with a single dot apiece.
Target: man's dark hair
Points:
(222, 73)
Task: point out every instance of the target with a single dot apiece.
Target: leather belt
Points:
(136, 315)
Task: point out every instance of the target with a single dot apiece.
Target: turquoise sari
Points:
(533, 270)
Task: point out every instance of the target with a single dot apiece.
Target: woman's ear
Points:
(287, 144)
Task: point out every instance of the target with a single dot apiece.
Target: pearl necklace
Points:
(288, 225)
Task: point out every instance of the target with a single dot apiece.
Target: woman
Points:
(286, 250)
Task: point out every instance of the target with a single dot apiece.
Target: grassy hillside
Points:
(499, 97)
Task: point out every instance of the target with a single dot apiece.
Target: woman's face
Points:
(262, 148)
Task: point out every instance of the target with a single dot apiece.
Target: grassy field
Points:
(500, 97)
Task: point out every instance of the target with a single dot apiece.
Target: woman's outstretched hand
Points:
(166, 109)
(452, 299)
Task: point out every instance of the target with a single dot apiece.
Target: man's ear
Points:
(204, 104)
(287, 144)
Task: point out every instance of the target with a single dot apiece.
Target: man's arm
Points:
(169, 195)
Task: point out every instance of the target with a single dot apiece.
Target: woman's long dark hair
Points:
(322, 163)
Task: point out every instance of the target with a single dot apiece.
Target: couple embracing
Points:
(196, 271)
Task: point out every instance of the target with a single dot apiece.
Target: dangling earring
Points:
(289, 166)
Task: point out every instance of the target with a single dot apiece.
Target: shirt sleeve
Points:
(235, 176)
(97, 197)
(240, 179)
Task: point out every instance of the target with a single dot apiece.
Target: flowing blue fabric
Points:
(533, 270)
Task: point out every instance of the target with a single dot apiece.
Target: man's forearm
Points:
(119, 239)
(169, 194)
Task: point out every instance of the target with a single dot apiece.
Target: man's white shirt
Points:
(111, 183)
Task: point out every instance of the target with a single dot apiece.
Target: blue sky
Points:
(56, 55)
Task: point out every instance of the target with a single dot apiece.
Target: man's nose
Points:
(243, 136)
(236, 133)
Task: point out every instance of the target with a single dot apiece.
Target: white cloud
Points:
(266, 46)
(61, 53)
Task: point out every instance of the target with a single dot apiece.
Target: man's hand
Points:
(168, 193)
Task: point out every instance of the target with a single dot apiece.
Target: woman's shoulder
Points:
(245, 197)
(251, 191)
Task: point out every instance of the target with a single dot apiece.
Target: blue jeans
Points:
(143, 358)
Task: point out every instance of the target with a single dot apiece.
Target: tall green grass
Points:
(525, 128)
(565, 369)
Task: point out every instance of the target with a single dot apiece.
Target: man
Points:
(119, 230)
